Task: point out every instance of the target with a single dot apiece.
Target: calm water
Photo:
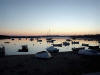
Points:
(34, 46)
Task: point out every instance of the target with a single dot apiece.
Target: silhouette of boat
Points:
(77, 49)
(48, 38)
(24, 49)
(51, 41)
(68, 40)
(19, 38)
(75, 42)
(89, 52)
(7, 42)
(57, 45)
(43, 55)
(66, 43)
(12, 39)
(39, 40)
(2, 51)
(52, 49)
(83, 44)
(31, 39)
(94, 47)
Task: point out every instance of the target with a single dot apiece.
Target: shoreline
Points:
(62, 63)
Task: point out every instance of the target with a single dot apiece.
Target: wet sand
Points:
(63, 63)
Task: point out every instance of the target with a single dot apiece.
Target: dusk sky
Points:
(55, 17)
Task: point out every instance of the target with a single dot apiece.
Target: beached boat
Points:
(52, 49)
(2, 51)
(43, 55)
(88, 52)
(57, 45)
(24, 48)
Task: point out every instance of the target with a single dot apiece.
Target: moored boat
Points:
(52, 49)
(24, 48)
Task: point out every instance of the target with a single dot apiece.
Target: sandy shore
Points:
(63, 63)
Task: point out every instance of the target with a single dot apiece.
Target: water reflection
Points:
(40, 44)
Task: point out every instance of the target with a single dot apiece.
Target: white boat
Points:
(88, 52)
(52, 49)
(43, 55)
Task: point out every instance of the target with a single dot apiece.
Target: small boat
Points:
(48, 38)
(51, 41)
(57, 45)
(12, 39)
(31, 39)
(2, 51)
(77, 49)
(93, 47)
(68, 40)
(88, 52)
(39, 40)
(43, 55)
(75, 42)
(83, 44)
(24, 49)
(19, 38)
(66, 43)
(52, 49)
(7, 42)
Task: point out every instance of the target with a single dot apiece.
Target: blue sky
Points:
(41, 17)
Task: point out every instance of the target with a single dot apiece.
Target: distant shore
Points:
(63, 63)
(92, 37)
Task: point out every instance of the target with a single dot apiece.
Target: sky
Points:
(49, 17)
